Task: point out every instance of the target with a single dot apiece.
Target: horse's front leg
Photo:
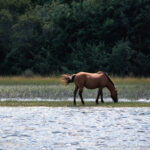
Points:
(75, 92)
(80, 94)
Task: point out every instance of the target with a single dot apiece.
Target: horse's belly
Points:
(92, 86)
(93, 83)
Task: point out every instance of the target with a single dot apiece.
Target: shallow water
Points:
(71, 99)
(42, 128)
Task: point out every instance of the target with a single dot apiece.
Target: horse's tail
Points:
(66, 79)
(109, 78)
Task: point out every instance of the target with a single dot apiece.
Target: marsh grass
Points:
(52, 88)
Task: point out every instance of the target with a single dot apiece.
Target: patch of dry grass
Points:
(130, 80)
(21, 80)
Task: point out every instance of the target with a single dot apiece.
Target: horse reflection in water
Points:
(98, 80)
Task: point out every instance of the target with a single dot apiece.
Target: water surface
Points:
(71, 99)
(42, 128)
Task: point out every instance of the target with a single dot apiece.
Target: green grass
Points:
(70, 104)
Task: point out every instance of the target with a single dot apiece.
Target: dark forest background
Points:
(56, 36)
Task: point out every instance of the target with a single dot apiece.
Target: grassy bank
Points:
(70, 104)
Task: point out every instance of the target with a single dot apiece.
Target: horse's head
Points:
(114, 96)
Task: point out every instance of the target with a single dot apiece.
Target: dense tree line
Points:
(56, 36)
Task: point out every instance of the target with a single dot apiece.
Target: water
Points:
(71, 99)
(43, 128)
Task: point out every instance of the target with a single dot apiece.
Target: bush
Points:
(28, 73)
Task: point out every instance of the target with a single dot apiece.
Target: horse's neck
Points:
(111, 87)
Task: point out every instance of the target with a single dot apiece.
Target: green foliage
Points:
(120, 58)
(59, 36)
(70, 104)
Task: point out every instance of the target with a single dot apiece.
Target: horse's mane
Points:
(99, 72)
(109, 79)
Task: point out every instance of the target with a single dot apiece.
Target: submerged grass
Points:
(69, 104)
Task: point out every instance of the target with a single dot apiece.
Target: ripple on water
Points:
(74, 128)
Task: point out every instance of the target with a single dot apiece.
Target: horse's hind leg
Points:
(98, 94)
(102, 97)
(75, 92)
(80, 94)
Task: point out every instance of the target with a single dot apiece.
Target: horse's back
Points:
(90, 80)
(80, 79)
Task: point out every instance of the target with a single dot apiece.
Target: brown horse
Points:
(91, 81)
